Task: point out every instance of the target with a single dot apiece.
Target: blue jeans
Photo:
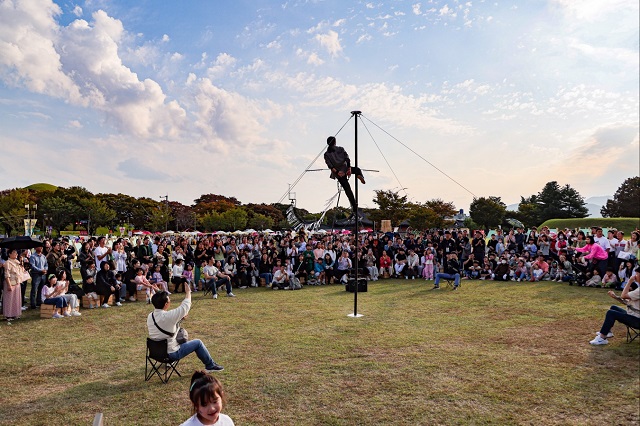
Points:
(58, 302)
(267, 277)
(616, 313)
(37, 281)
(455, 277)
(196, 346)
(214, 283)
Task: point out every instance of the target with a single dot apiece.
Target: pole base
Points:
(355, 315)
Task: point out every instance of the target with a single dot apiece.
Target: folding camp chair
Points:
(632, 333)
(157, 356)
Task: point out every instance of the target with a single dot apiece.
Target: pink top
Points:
(595, 252)
(188, 275)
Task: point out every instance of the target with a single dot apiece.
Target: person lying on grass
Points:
(630, 317)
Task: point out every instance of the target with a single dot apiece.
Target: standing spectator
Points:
(478, 247)
(12, 296)
(38, 274)
(102, 252)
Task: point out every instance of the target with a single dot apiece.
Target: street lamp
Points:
(30, 223)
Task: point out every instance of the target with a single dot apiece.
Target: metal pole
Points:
(356, 115)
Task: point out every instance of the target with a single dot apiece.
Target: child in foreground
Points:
(208, 399)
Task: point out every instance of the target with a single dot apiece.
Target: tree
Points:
(235, 219)
(391, 206)
(626, 200)
(422, 217)
(160, 218)
(59, 211)
(487, 212)
(444, 211)
(553, 202)
(212, 221)
(259, 222)
(12, 211)
(97, 214)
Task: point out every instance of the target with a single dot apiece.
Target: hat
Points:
(331, 140)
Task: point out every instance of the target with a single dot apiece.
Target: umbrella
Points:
(515, 222)
(21, 242)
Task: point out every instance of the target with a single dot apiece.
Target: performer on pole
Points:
(338, 161)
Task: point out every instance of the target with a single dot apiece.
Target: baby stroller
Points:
(579, 274)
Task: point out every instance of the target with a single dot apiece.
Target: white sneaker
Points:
(56, 315)
(243, 287)
(76, 314)
(169, 293)
(118, 304)
(91, 306)
(231, 295)
(67, 314)
(609, 335)
(215, 296)
(599, 341)
(132, 299)
(24, 308)
(106, 305)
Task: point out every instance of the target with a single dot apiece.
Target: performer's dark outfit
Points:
(338, 161)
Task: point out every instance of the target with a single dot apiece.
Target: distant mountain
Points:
(42, 187)
(594, 204)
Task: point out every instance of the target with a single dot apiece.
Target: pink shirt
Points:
(595, 252)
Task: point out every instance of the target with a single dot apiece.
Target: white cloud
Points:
(314, 59)
(222, 65)
(28, 55)
(77, 10)
(416, 9)
(75, 124)
(165, 38)
(331, 42)
(363, 38)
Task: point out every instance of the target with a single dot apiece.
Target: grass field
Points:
(490, 353)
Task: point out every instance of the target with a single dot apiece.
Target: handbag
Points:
(23, 276)
(181, 335)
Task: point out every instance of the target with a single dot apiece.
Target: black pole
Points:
(356, 115)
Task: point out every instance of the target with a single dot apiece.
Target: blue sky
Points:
(237, 97)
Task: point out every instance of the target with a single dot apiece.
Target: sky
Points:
(154, 98)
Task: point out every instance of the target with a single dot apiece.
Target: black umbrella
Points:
(21, 242)
(515, 222)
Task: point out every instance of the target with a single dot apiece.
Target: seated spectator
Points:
(370, 262)
(208, 399)
(400, 263)
(89, 284)
(594, 281)
(344, 266)
(162, 324)
(51, 296)
(142, 283)
(215, 278)
(318, 271)
(451, 272)
(280, 279)
(158, 279)
(231, 270)
(385, 264)
(176, 275)
(609, 280)
(328, 264)
(594, 253)
(106, 285)
(629, 317)
(542, 269)
(411, 268)
(501, 272)
(486, 272)
(265, 268)
(625, 272)
(520, 273)
(63, 286)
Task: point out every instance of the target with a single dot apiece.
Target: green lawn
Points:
(490, 353)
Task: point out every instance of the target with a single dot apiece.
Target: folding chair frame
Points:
(632, 334)
(154, 365)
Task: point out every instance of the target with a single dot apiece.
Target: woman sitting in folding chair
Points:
(630, 317)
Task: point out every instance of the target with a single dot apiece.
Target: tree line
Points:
(76, 208)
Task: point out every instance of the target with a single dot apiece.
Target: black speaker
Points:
(362, 285)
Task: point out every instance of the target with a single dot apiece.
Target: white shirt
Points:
(603, 241)
(99, 251)
(223, 420)
(167, 320)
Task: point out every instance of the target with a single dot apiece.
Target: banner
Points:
(29, 224)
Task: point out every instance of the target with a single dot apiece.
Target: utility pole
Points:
(166, 220)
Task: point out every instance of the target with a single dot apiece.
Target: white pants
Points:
(72, 300)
